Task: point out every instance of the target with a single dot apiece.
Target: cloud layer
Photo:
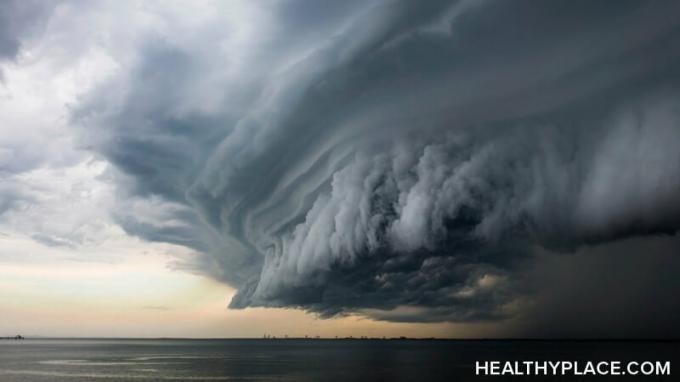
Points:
(404, 161)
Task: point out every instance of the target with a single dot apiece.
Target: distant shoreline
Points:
(347, 339)
(13, 338)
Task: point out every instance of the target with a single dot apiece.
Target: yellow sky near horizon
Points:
(142, 296)
(111, 284)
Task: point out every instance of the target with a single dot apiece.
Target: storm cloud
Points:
(406, 161)
(21, 20)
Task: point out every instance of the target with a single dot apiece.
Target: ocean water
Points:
(121, 360)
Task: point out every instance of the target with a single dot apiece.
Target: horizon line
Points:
(345, 338)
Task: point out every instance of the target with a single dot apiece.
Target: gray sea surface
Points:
(118, 360)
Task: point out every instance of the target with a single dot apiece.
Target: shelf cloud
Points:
(405, 161)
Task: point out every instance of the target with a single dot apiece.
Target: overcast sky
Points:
(439, 168)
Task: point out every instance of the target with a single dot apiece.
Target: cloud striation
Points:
(403, 160)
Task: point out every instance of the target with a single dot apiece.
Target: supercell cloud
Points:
(409, 161)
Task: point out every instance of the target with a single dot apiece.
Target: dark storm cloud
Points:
(403, 159)
(19, 19)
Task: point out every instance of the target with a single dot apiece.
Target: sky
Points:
(367, 168)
